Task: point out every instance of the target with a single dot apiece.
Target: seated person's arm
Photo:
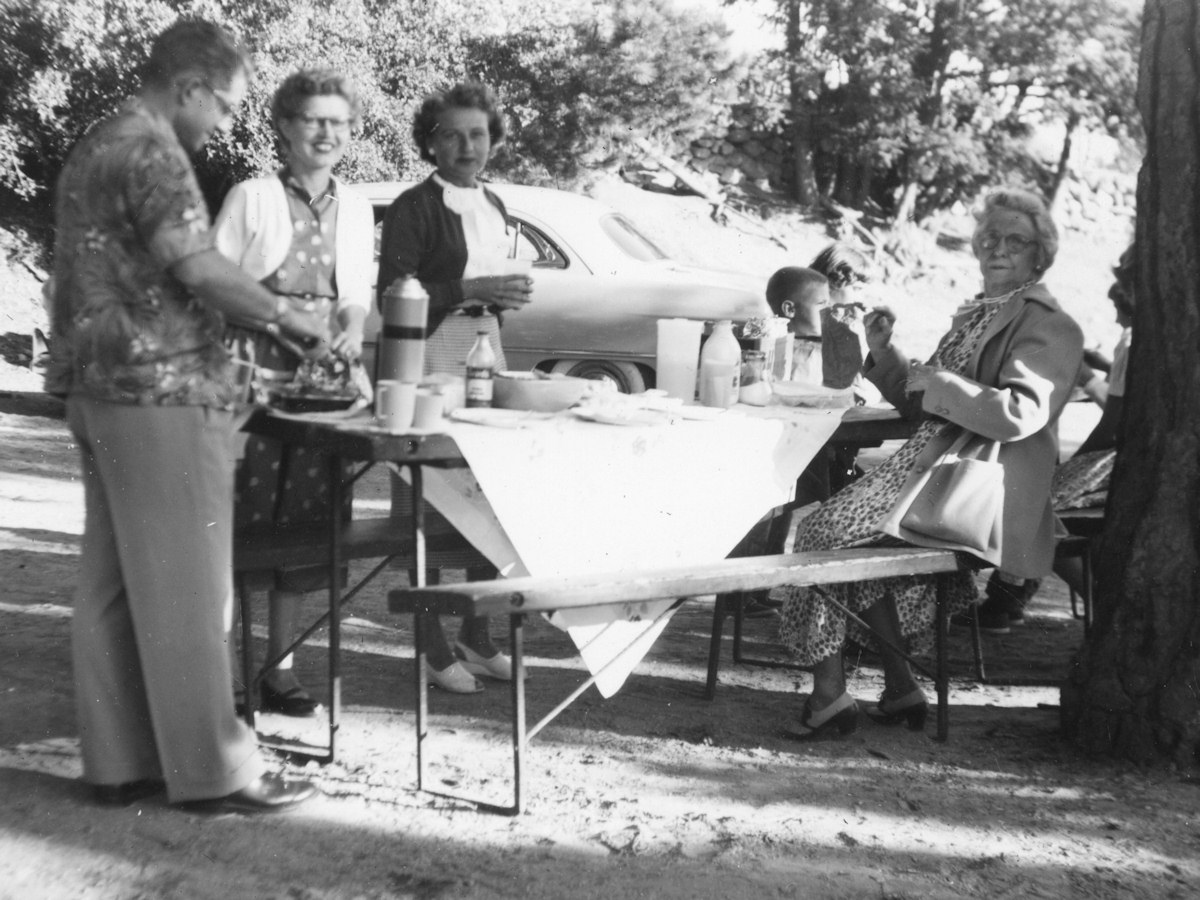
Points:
(1104, 435)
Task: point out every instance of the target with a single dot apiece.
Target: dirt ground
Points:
(655, 793)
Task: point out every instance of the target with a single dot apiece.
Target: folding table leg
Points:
(516, 634)
(335, 599)
(248, 681)
(422, 698)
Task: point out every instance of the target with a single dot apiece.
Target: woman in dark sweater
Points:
(452, 233)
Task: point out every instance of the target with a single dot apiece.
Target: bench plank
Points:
(540, 595)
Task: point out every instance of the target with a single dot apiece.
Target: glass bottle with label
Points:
(480, 363)
(754, 389)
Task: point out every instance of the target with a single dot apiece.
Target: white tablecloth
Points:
(563, 496)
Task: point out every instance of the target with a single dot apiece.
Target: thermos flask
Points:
(402, 339)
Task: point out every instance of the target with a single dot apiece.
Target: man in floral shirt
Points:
(138, 310)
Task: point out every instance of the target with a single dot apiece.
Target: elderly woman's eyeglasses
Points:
(316, 123)
(1013, 243)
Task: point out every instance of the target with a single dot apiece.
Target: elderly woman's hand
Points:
(503, 291)
(919, 376)
(878, 326)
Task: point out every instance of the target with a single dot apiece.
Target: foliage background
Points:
(900, 107)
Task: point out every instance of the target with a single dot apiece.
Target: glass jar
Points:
(754, 390)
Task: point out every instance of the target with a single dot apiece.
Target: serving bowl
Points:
(538, 391)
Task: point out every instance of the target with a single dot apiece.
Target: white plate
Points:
(498, 418)
(698, 413)
(617, 415)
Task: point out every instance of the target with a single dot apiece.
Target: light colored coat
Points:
(254, 230)
(1016, 384)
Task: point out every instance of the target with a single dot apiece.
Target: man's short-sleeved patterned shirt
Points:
(124, 329)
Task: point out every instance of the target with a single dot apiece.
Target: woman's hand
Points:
(878, 327)
(919, 376)
(504, 291)
(348, 342)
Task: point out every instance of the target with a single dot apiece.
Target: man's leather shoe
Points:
(269, 794)
(128, 792)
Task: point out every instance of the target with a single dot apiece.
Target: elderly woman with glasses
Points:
(309, 239)
(1002, 372)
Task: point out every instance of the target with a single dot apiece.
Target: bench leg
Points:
(943, 678)
(720, 611)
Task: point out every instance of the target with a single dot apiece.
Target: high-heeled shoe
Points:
(911, 708)
(841, 714)
(498, 666)
(454, 678)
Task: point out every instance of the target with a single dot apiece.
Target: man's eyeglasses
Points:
(226, 107)
(316, 123)
(1013, 243)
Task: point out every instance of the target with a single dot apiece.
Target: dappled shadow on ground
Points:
(654, 792)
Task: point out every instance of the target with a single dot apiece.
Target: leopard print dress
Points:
(814, 630)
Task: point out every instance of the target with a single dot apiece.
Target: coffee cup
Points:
(395, 403)
(428, 409)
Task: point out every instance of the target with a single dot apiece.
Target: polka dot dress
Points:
(814, 630)
(277, 484)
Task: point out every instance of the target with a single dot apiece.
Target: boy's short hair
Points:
(788, 283)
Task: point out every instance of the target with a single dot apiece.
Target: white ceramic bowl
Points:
(538, 393)
(803, 393)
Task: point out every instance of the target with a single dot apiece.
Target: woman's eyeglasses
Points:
(316, 123)
(1013, 243)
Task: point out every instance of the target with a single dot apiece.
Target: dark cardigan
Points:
(422, 237)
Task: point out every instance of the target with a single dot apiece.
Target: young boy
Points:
(798, 295)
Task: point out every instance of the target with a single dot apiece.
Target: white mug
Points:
(395, 402)
(429, 408)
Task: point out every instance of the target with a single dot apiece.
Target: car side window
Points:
(534, 246)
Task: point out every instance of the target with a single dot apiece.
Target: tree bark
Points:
(1056, 198)
(804, 182)
(1134, 688)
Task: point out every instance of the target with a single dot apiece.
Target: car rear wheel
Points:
(626, 376)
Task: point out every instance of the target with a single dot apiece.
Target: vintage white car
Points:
(599, 287)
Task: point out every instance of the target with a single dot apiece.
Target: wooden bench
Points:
(625, 592)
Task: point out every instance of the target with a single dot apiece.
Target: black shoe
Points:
(1008, 598)
(295, 701)
(912, 708)
(268, 794)
(127, 793)
(841, 716)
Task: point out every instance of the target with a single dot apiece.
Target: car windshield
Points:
(626, 236)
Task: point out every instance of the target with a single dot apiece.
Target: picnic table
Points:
(560, 495)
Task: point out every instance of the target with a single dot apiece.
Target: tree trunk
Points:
(804, 182)
(906, 205)
(1056, 197)
(1134, 688)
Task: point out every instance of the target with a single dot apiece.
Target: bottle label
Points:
(479, 387)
